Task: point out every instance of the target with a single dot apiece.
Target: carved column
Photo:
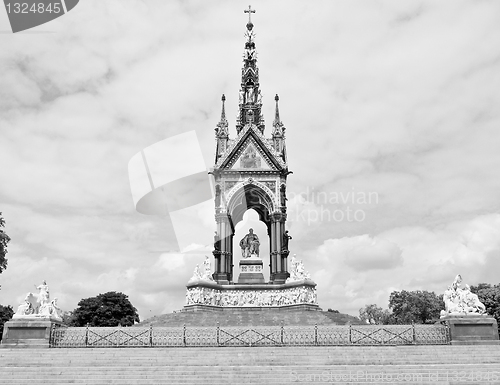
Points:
(275, 247)
(223, 256)
(223, 248)
(278, 246)
(231, 256)
(272, 258)
(279, 219)
(283, 253)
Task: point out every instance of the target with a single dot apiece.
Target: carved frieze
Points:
(259, 298)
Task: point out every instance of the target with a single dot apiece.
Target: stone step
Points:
(265, 360)
(340, 361)
(259, 381)
(456, 349)
(446, 375)
(233, 380)
(258, 351)
(230, 369)
(442, 364)
(227, 361)
(250, 317)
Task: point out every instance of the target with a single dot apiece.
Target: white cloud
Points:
(363, 253)
(366, 269)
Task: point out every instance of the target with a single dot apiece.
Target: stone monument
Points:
(466, 316)
(33, 321)
(250, 172)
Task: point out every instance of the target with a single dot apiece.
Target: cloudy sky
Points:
(393, 128)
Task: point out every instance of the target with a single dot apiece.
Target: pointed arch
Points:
(250, 196)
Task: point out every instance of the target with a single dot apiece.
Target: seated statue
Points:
(250, 245)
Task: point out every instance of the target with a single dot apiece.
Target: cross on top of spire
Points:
(249, 11)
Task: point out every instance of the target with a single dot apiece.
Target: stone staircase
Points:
(443, 364)
(250, 317)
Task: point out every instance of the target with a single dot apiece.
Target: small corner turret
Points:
(222, 132)
(278, 133)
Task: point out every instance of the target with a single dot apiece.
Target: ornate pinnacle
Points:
(277, 113)
(249, 11)
(279, 128)
(222, 127)
(223, 113)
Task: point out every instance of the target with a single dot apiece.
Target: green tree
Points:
(108, 309)
(373, 314)
(6, 313)
(490, 296)
(4, 240)
(67, 317)
(415, 306)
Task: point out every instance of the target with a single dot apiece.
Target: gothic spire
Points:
(278, 127)
(250, 102)
(278, 133)
(277, 113)
(221, 130)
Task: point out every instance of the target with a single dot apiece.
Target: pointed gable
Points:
(250, 152)
(251, 157)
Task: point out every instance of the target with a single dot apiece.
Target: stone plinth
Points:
(472, 329)
(251, 271)
(210, 295)
(28, 332)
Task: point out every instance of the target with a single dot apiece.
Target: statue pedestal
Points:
(472, 329)
(203, 295)
(28, 332)
(251, 270)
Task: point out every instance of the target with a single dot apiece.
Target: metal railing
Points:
(317, 335)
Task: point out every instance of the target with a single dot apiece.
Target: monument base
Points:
(472, 329)
(211, 295)
(28, 332)
(251, 271)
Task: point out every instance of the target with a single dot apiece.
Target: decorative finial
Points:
(277, 113)
(249, 11)
(223, 113)
(221, 128)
